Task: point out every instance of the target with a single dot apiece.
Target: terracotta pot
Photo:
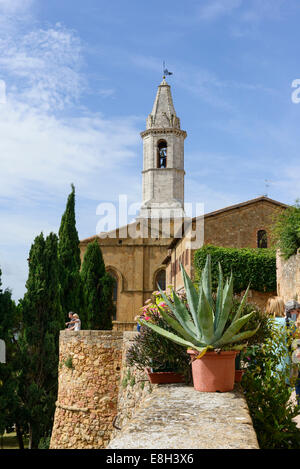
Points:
(165, 377)
(238, 375)
(214, 371)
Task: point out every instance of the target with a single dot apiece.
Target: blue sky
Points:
(81, 78)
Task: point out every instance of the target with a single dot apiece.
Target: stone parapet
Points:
(134, 387)
(175, 416)
(103, 403)
(88, 385)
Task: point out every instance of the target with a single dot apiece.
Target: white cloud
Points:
(42, 67)
(48, 140)
(12, 6)
(213, 9)
(41, 153)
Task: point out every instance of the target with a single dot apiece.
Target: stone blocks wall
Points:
(89, 376)
(134, 387)
(104, 404)
(288, 277)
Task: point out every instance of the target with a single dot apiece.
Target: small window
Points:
(160, 279)
(262, 239)
(162, 154)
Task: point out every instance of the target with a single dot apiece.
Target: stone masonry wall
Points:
(89, 376)
(103, 403)
(288, 277)
(134, 387)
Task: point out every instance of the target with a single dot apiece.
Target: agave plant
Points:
(204, 324)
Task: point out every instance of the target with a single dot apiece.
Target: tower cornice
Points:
(164, 130)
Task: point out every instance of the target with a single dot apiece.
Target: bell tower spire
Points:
(163, 169)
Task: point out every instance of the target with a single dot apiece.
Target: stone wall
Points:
(89, 375)
(134, 387)
(288, 277)
(102, 403)
(175, 416)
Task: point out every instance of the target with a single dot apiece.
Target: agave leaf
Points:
(204, 350)
(205, 318)
(219, 299)
(242, 304)
(175, 325)
(182, 315)
(192, 298)
(243, 335)
(173, 337)
(233, 329)
(206, 281)
(226, 307)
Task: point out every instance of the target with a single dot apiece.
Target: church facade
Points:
(147, 252)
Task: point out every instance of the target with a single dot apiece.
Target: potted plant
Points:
(205, 329)
(164, 361)
(238, 374)
(258, 317)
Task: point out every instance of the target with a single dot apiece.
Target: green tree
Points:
(97, 289)
(69, 259)
(12, 412)
(42, 320)
(286, 230)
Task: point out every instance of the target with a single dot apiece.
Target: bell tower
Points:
(163, 168)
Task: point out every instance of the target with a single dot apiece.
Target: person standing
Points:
(292, 309)
(71, 322)
(76, 325)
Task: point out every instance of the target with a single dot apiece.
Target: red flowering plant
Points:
(149, 349)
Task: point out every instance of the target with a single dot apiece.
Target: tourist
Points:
(275, 308)
(293, 313)
(76, 323)
(71, 322)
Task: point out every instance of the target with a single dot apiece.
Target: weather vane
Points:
(166, 71)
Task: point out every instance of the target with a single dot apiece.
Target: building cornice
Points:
(164, 131)
(163, 169)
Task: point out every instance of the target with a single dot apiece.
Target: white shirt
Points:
(77, 325)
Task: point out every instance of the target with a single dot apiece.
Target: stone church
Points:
(147, 252)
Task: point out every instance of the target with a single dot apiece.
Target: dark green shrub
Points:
(268, 394)
(150, 350)
(44, 443)
(256, 267)
(286, 231)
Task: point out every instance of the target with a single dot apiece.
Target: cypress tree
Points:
(42, 320)
(10, 405)
(97, 289)
(69, 259)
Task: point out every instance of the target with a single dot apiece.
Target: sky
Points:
(78, 79)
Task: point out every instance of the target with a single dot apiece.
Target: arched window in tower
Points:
(262, 239)
(160, 279)
(115, 292)
(162, 154)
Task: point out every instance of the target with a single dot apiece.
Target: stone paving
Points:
(175, 416)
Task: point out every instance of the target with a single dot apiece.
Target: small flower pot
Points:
(164, 377)
(214, 371)
(238, 375)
